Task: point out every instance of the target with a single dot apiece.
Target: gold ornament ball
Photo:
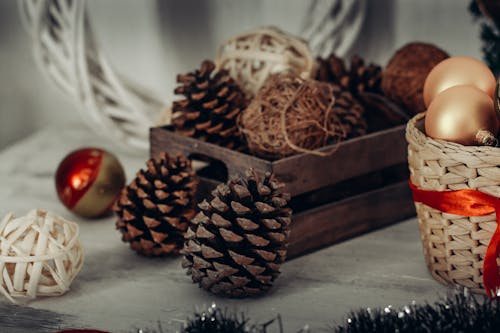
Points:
(458, 71)
(463, 114)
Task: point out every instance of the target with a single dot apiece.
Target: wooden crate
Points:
(361, 187)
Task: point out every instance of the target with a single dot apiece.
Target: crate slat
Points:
(338, 221)
(304, 173)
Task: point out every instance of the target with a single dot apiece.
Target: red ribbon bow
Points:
(469, 203)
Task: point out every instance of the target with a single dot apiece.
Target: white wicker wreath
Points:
(40, 255)
(66, 50)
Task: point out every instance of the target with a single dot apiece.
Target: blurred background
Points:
(152, 41)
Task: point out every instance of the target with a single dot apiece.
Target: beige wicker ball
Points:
(251, 57)
(454, 246)
(40, 255)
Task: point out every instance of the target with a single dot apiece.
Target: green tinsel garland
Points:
(490, 35)
(458, 313)
(214, 320)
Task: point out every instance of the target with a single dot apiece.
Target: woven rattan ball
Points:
(253, 56)
(404, 77)
(290, 115)
(40, 255)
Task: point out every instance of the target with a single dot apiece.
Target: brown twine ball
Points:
(290, 115)
(251, 57)
(403, 78)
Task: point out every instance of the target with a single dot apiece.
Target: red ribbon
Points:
(469, 203)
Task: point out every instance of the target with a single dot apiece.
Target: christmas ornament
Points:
(212, 102)
(290, 115)
(403, 78)
(252, 57)
(154, 210)
(88, 180)
(457, 71)
(462, 114)
(40, 255)
(237, 242)
(358, 78)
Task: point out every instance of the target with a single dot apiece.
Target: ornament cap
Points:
(486, 138)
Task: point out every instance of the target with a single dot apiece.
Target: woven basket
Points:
(454, 246)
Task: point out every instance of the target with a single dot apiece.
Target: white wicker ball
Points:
(40, 255)
(253, 56)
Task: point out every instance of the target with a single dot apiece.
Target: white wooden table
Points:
(118, 290)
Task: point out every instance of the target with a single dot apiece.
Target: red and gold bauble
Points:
(458, 71)
(463, 114)
(88, 181)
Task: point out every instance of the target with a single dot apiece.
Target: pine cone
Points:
(212, 103)
(237, 242)
(350, 113)
(155, 209)
(358, 78)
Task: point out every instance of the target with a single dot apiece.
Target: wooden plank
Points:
(338, 221)
(162, 139)
(304, 173)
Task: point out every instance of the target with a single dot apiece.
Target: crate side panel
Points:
(338, 221)
(304, 173)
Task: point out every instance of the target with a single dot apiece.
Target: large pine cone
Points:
(356, 79)
(238, 240)
(155, 209)
(212, 102)
(350, 113)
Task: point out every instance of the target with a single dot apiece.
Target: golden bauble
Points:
(458, 71)
(463, 114)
